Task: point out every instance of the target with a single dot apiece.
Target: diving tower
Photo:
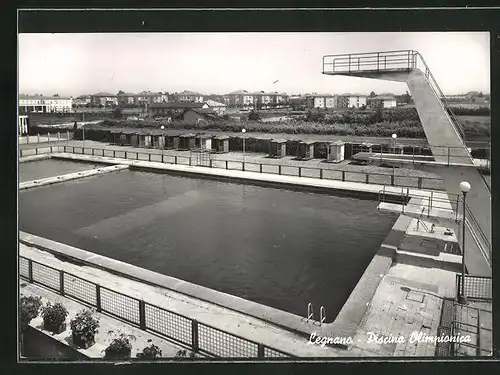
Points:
(442, 130)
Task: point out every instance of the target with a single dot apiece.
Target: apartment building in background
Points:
(382, 101)
(188, 96)
(45, 104)
(240, 99)
(105, 99)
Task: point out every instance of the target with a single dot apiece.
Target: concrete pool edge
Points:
(26, 185)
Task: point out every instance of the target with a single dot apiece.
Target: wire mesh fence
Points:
(199, 336)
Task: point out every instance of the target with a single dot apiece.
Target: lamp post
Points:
(163, 142)
(462, 298)
(243, 131)
(394, 136)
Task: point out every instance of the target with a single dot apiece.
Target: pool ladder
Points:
(310, 314)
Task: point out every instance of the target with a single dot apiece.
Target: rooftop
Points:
(177, 105)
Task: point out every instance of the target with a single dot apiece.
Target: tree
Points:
(372, 94)
(120, 92)
(254, 116)
(407, 98)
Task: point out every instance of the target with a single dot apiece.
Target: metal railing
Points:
(476, 287)
(390, 178)
(200, 337)
(423, 203)
(371, 61)
(413, 154)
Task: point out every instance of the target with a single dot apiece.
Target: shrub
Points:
(29, 308)
(184, 353)
(151, 351)
(54, 315)
(120, 347)
(84, 325)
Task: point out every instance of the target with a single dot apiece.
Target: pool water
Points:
(278, 247)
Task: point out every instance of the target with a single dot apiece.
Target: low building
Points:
(197, 115)
(277, 148)
(187, 141)
(204, 142)
(382, 101)
(262, 100)
(173, 109)
(305, 150)
(22, 125)
(356, 101)
(45, 104)
(335, 152)
(221, 143)
(219, 108)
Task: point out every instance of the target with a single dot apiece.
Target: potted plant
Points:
(150, 352)
(120, 347)
(54, 317)
(29, 308)
(183, 353)
(83, 329)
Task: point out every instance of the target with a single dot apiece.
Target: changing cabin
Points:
(277, 148)
(305, 150)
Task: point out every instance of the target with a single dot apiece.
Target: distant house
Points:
(219, 108)
(104, 98)
(173, 109)
(262, 99)
(382, 101)
(196, 115)
(356, 100)
(188, 96)
(278, 99)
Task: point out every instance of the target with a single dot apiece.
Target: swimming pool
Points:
(35, 170)
(282, 248)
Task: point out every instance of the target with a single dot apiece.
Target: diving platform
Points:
(451, 157)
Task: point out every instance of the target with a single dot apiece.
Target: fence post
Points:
(114, 153)
(51, 151)
(260, 168)
(36, 151)
(48, 137)
(190, 160)
(93, 151)
(279, 169)
(64, 148)
(37, 138)
(210, 163)
(149, 157)
(67, 135)
(98, 297)
(142, 314)
(243, 166)
(61, 282)
(392, 179)
(419, 183)
(343, 175)
(136, 155)
(413, 147)
(448, 156)
(21, 152)
(175, 159)
(30, 271)
(194, 335)
(300, 171)
(83, 150)
(260, 351)
(367, 178)
(321, 173)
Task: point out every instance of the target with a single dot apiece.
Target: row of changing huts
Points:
(218, 144)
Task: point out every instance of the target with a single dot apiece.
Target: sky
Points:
(218, 63)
